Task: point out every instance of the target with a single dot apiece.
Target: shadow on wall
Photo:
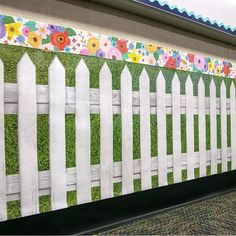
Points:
(87, 12)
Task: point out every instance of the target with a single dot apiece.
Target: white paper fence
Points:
(26, 99)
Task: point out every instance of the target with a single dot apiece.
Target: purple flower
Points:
(165, 57)
(2, 31)
(53, 28)
(100, 53)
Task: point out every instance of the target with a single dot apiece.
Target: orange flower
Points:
(60, 40)
(34, 39)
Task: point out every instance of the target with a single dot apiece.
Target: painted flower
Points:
(13, 29)
(151, 60)
(93, 44)
(2, 31)
(134, 57)
(190, 57)
(20, 39)
(165, 57)
(100, 53)
(114, 54)
(105, 44)
(122, 45)
(53, 28)
(210, 66)
(60, 40)
(84, 52)
(25, 31)
(34, 39)
(151, 48)
(226, 69)
(131, 46)
(43, 30)
(218, 70)
(171, 63)
(178, 59)
(199, 62)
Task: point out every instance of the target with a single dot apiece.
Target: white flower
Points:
(42, 30)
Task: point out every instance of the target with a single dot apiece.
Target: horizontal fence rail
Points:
(26, 99)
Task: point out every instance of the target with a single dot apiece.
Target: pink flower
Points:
(25, 31)
(199, 62)
(84, 52)
(165, 57)
(105, 45)
(114, 54)
(43, 30)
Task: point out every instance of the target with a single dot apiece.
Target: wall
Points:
(90, 16)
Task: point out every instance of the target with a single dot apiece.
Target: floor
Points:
(215, 216)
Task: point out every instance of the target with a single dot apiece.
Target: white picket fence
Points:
(28, 99)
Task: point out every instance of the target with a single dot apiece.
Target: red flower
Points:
(226, 69)
(191, 58)
(122, 45)
(60, 40)
(171, 63)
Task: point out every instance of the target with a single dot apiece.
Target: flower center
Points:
(199, 61)
(35, 39)
(12, 29)
(94, 45)
(60, 39)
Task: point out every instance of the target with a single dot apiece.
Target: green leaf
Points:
(139, 45)
(156, 55)
(71, 32)
(8, 20)
(125, 56)
(47, 40)
(31, 25)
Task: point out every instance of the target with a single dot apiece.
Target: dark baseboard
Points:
(92, 217)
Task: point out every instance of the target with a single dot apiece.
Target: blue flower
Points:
(20, 39)
(67, 49)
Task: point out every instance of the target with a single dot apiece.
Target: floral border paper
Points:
(28, 33)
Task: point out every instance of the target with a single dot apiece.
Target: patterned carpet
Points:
(214, 216)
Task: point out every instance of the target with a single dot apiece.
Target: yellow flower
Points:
(211, 65)
(13, 29)
(34, 39)
(134, 57)
(93, 44)
(218, 70)
(151, 48)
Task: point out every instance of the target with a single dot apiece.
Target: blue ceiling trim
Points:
(191, 16)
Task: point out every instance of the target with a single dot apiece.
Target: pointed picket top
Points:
(201, 83)
(212, 87)
(143, 75)
(175, 83)
(105, 72)
(82, 70)
(222, 89)
(232, 90)
(189, 86)
(160, 79)
(125, 74)
(56, 65)
(25, 65)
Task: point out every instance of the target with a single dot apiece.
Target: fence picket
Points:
(145, 131)
(202, 126)
(233, 125)
(3, 190)
(106, 132)
(127, 131)
(190, 128)
(176, 120)
(161, 129)
(57, 134)
(82, 118)
(27, 136)
(223, 126)
(213, 127)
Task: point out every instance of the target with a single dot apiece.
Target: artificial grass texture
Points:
(11, 55)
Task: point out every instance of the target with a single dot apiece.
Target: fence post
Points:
(176, 119)
(3, 191)
(106, 132)
(223, 126)
(202, 127)
(161, 129)
(57, 134)
(82, 118)
(127, 131)
(27, 136)
(213, 127)
(190, 127)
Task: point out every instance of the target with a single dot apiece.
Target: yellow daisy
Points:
(34, 39)
(13, 29)
(134, 57)
(210, 65)
(93, 44)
